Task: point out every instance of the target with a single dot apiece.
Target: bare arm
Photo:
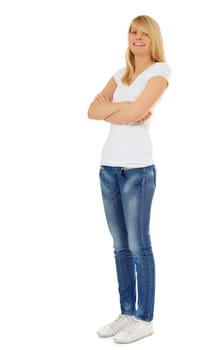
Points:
(102, 106)
(138, 109)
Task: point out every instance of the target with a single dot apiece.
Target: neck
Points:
(141, 63)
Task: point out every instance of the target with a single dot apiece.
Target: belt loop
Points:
(123, 171)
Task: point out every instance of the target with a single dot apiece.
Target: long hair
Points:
(151, 27)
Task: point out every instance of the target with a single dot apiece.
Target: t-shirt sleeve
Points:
(160, 69)
(118, 75)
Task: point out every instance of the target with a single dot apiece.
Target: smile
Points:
(138, 44)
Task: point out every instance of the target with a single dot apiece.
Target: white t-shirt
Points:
(130, 146)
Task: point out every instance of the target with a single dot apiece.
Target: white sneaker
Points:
(112, 328)
(135, 330)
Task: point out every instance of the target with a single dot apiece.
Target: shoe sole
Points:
(105, 336)
(132, 341)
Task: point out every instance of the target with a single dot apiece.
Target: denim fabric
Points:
(127, 196)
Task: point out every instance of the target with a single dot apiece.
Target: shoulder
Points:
(118, 75)
(159, 69)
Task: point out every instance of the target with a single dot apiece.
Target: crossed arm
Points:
(102, 108)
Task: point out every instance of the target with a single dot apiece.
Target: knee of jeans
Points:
(120, 246)
(122, 254)
(141, 250)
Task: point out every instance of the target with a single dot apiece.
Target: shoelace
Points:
(118, 321)
(132, 325)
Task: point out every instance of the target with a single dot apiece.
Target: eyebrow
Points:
(137, 28)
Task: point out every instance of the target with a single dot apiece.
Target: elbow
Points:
(93, 114)
(90, 113)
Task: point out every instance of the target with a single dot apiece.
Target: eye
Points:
(133, 32)
(145, 34)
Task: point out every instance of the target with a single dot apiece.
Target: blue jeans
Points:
(127, 196)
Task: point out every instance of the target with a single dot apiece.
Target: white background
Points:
(57, 275)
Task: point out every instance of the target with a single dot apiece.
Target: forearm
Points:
(136, 110)
(104, 110)
(128, 114)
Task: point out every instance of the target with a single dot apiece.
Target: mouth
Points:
(138, 44)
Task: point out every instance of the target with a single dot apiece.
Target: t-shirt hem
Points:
(127, 165)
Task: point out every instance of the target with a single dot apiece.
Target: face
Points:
(139, 41)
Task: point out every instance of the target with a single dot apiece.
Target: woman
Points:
(128, 175)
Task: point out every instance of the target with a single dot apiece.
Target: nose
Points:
(139, 35)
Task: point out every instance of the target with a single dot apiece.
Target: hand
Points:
(104, 98)
(147, 116)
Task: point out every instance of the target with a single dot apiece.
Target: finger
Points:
(99, 98)
(105, 98)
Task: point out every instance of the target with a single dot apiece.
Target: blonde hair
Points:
(151, 27)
